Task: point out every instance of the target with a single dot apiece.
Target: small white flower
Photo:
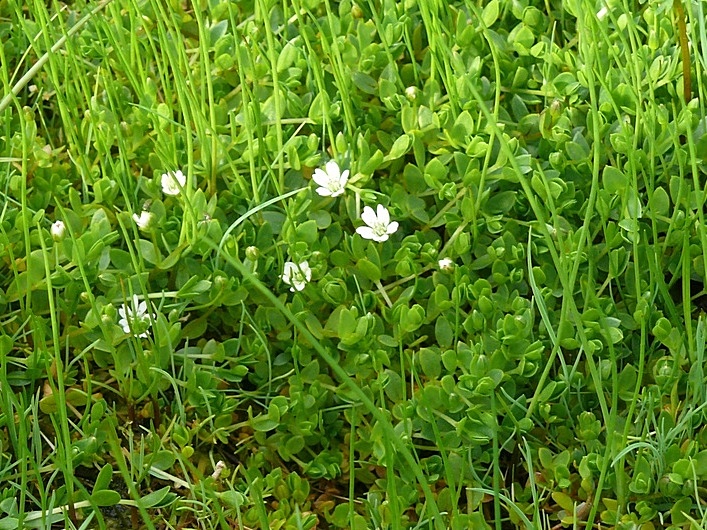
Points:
(135, 319)
(58, 230)
(379, 225)
(446, 264)
(332, 180)
(296, 276)
(601, 14)
(143, 220)
(173, 183)
(411, 93)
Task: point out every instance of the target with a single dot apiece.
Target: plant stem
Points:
(684, 50)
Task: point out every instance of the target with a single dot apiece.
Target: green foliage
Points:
(490, 315)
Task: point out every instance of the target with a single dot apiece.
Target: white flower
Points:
(379, 225)
(446, 264)
(411, 93)
(296, 276)
(332, 180)
(58, 230)
(135, 319)
(173, 183)
(143, 220)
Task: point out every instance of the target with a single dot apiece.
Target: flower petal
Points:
(344, 178)
(383, 215)
(172, 183)
(181, 178)
(325, 192)
(366, 232)
(332, 169)
(320, 177)
(369, 216)
(306, 270)
(392, 227)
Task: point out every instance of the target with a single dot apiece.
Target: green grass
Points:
(551, 375)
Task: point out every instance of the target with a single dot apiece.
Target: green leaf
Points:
(679, 509)
(217, 31)
(233, 498)
(369, 269)
(49, 403)
(155, 498)
(364, 82)
(660, 202)
(294, 444)
(103, 480)
(444, 332)
(576, 152)
(9, 523)
(263, 423)
(411, 318)
(373, 163)
(162, 460)
(105, 498)
(436, 169)
(193, 287)
(463, 128)
(400, 147)
(566, 502)
(700, 462)
(149, 252)
(307, 232)
(171, 260)
(194, 329)
(287, 56)
(408, 119)
(490, 13)
(545, 456)
(430, 363)
(6, 344)
(614, 180)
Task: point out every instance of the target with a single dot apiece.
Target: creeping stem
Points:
(684, 49)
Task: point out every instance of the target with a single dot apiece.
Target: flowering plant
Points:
(296, 275)
(135, 318)
(173, 182)
(331, 180)
(379, 226)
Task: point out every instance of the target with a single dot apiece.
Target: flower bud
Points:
(335, 291)
(252, 253)
(446, 265)
(58, 230)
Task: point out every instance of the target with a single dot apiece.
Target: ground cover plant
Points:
(376, 264)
